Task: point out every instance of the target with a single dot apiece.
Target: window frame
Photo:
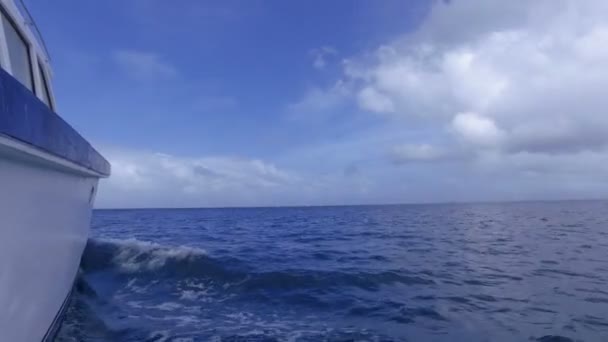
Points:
(6, 62)
(45, 87)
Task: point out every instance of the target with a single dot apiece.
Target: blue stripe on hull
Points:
(24, 117)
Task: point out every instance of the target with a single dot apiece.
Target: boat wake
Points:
(133, 258)
(132, 290)
(127, 287)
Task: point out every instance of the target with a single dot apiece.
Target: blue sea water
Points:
(462, 272)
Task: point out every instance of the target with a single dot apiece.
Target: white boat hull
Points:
(45, 212)
(48, 180)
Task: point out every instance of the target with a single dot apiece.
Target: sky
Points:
(270, 103)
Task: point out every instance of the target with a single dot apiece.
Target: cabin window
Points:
(46, 94)
(18, 53)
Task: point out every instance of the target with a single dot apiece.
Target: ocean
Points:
(446, 272)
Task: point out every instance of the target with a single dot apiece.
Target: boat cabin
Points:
(23, 53)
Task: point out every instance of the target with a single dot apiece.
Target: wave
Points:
(135, 257)
(142, 258)
(132, 255)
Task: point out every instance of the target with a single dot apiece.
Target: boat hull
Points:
(45, 212)
(48, 181)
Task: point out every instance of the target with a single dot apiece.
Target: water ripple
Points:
(476, 272)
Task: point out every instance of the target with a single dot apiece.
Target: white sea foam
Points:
(136, 304)
(190, 295)
(180, 320)
(168, 306)
(135, 288)
(134, 255)
(160, 336)
(195, 284)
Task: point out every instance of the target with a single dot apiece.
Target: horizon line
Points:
(361, 204)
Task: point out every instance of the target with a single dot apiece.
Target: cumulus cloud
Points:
(517, 76)
(487, 99)
(158, 179)
(144, 65)
(416, 152)
(318, 103)
(491, 89)
(370, 99)
(149, 179)
(477, 129)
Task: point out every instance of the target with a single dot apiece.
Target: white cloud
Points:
(476, 129)
(149, 179)
(321, 55)
(370, 99)
(502, 90)
(319, 103)
(144, 65)
(157, 179)
(508, 96)
(513, 75)
(416, 152)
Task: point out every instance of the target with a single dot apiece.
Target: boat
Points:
(49, 177)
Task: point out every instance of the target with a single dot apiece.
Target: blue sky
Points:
(222, 73)
(230, 103)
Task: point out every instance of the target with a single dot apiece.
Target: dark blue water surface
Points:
(468, 272)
